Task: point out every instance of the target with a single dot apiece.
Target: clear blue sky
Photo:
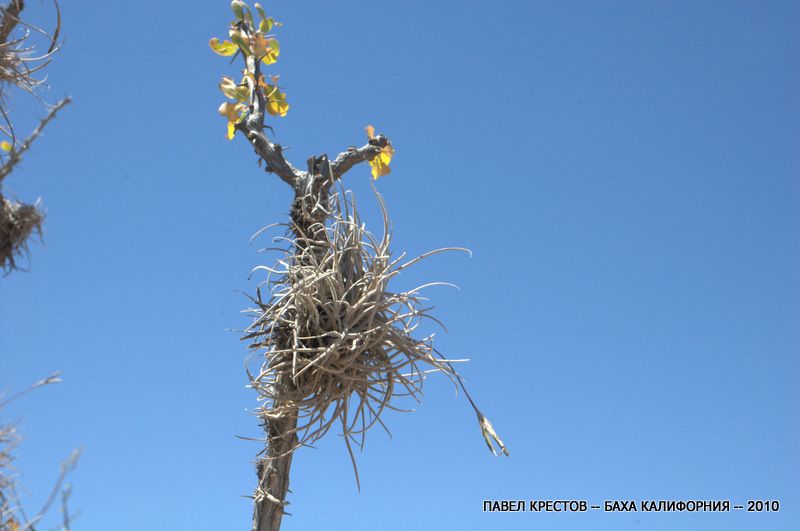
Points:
(626, 173)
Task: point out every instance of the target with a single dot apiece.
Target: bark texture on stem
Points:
(273, 474)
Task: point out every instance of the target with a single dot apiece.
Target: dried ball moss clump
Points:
(339, 345)
(351, 350)
(17, 222)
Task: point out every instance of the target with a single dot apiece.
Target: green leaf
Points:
(266, 22)
(248, 17)
(240, 39)
(276, 100)
(234, 91)
(234, 112)
(267, 49)
(275, 45)
(237, 6)
(225, 48)
(260, 10)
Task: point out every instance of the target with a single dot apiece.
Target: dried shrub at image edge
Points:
(17, 222)
(20, 65)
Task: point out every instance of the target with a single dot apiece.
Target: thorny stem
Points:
(312, 189)
(16, 153)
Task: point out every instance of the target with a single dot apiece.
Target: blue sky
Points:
(625, 173)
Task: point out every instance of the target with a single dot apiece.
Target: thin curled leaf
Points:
(234, 112)
(224, 48)
(260, 10)
(266, 23)
(276, 100)
(380, 164)
(241, 40)
(266, 49)
(233, 90)
(237, 6)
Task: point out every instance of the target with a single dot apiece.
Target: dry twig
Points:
(12, 513)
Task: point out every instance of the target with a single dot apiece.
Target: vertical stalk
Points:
(273, 473)
(273, 470)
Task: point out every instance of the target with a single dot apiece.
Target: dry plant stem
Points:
(20, 66)
(320, 168)
(312, 189)
(16, 153)
(12, 514)
(273, 472)
(17, 220)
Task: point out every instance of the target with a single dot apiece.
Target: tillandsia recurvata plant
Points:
(335, 346)
(21, 67)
